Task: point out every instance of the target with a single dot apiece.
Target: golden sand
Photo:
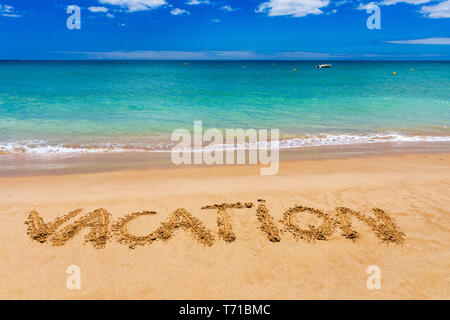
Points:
(309, 232)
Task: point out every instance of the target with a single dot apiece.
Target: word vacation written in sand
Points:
(102, 229)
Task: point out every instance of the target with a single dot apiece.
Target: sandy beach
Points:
(412, 190)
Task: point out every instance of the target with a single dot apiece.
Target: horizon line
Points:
(229, 60)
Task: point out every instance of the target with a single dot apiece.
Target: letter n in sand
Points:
(383, 225)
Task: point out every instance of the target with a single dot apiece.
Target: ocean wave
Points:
(43, 147)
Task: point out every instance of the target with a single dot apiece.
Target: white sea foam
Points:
(43, 147)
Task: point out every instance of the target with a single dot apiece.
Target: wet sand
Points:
(25, 164)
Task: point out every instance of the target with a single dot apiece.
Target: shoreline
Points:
(77, 163)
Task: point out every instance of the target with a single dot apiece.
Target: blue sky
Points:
(225, 29)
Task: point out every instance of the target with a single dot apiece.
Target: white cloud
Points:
(416, 2)
(98, 9)
(6, 8)
(366, 6)
(197, 2)
(307, 55)
(8, 11)
(215, 20)
(10, 15)
(135, 5)
(169, 55)
(236, 55)
(295, 8)
(178, 11)
(435, 41)
(227, 8)
(437, 11)
(110, 15)
(340, 3)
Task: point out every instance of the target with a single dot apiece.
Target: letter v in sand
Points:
(97, 220)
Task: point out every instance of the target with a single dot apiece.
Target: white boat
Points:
(320, 66)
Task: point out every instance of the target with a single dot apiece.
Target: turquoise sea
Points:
(94, 106)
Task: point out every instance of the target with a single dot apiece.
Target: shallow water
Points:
(92, 106)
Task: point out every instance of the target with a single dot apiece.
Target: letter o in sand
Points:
(313, 233)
